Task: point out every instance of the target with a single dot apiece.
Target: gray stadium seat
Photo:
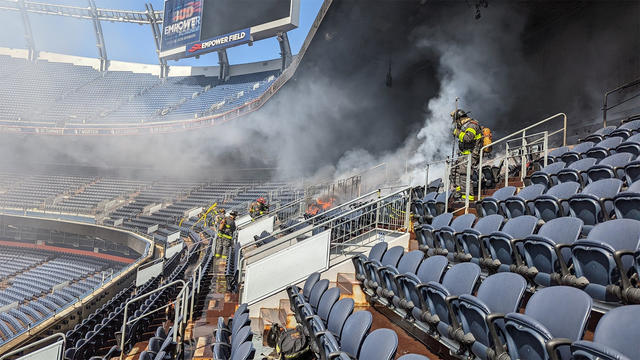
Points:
(576, 172)
(603, 148)
(426, 236)
(501, 254)
(380, 344)
(470, 240)
(547, 175)
(446, 237)
(388, 274)
(408, 298)
(576, 153)
(376, 253)
(555, 203)
(610, 167)
(492, 204)
(595, 203)
(390, 257)
(520, 204)
(627, 204)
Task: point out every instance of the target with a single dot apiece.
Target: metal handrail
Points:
(311, 219)
(16, 351)
(145, 295)
(523, 133)
(606, 98)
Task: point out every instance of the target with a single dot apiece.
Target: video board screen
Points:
(225, 16)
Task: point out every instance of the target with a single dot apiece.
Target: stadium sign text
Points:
(182, 22)
(235, 38)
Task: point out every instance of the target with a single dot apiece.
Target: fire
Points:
(320, 205)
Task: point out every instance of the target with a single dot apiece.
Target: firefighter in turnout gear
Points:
(226, 228)
(258, 208)
(468, 134)
(220, 215)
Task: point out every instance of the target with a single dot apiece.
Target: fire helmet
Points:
(233, 213)
(458, 114)
(261, 200)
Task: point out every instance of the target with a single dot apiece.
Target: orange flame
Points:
(319, 204)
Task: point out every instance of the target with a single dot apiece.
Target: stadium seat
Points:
(340, 311)
(426, 235)
(576, 172)
(446, 237)
(595, 203)
(293, 291)
(630, 145)
(380, 344)
(554, 203)
(419, 206)
(408, 299)
(599, 134)
(388, 274)
(545, 317)
(327, 300)
(470, 247)
(632, 171)
(353, 334)
(498, 293)
(390, 258)
(376, 253)
(314, 299)
(460, 279)
(609, 167)
(626, 129)
(500, 251)
(413, 357)
(555, 154)
(436, 206)
(521, 203)
(615, 338)
(492, 204)
(604, 148)
(596, 271)
(547, 175)
(244, 352)
(627, 204)
(576, 153)
(541, 260)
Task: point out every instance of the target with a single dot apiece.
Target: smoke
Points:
(519, 63)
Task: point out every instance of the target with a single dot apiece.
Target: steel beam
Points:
(223, 60)
(97, 27)
(28, 33)
(285, 49)
(157, 37)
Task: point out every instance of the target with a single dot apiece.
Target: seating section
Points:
(39, 283)
(54, 94)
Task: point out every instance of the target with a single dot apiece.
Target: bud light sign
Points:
(181, 24)
(219, 42)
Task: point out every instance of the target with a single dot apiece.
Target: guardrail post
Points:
(480, 174)
(545, 144)
(523, 163)
(426, 179)
(467, 185)
(506, 165)
(407, 212)
(447, 184)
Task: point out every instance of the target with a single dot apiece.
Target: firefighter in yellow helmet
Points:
(226, 228)
(468, 134)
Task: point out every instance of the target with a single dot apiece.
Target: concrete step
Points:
(268, 317)
(350, 288)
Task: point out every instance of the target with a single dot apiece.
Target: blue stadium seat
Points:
(553, 312)
(446, 237)
(554, 155)
(293, 291)
(627, 203)
(632, 171)
(470, 240)
(501, 253)
(555, 203)
(595, 269)
(521, 203)
(314, 299)
(413, 357)
(610, 167)
(630, 145)
(542, 262)
(327, 300)
(547, 175)
(595, 203)
(390, 257)
(498, 293)
(626, 129)
(615, 338)
(460, 279)
(407, 298)
(353, 334)
(388, 274)
(604, 148)
(376, 253)
(340, 311)
(576, 172)
(380, 344)
(492, 204)
(599, 134)
(426, 233)
(576, 153)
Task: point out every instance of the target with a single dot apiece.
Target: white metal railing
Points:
(36, 343)
(523, 149)
(522, 134)
(345, 229)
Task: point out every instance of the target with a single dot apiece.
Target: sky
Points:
(132, 42)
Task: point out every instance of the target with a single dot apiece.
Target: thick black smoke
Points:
(518, 63)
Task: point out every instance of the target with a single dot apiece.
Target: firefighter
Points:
(468, 134)
(220, 215)
(258, 208)
(226, 228)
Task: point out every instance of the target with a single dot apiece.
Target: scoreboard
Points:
(195, 27)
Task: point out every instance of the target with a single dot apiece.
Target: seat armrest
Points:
(516, 253)
(617, 256)
(454, 319)
(493, 332)
(552, 345)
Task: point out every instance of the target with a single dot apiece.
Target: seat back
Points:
(539, 250)
(308, 285)
(354, 331)
(550, 205)
(489, 224)
(516, 205)
(575, 153)
(316, 293)
(573, 171)
(338, 315)
(392, 256)
(441, 220)
(520, 227)
(378, 250)
(588, 208)
(627, 204)
(462, 222)
(410, 261)
(609, 167)
(432, 268)
(552, 312)
(490, 205)
(381, 344)
(499, 243)
(618, 329)
(546, 174)
(460, 278)
(327, 302)
(244, 352)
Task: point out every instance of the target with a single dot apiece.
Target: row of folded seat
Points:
(334, 330)
(233, 338)
(476, 317)
(546, 253)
